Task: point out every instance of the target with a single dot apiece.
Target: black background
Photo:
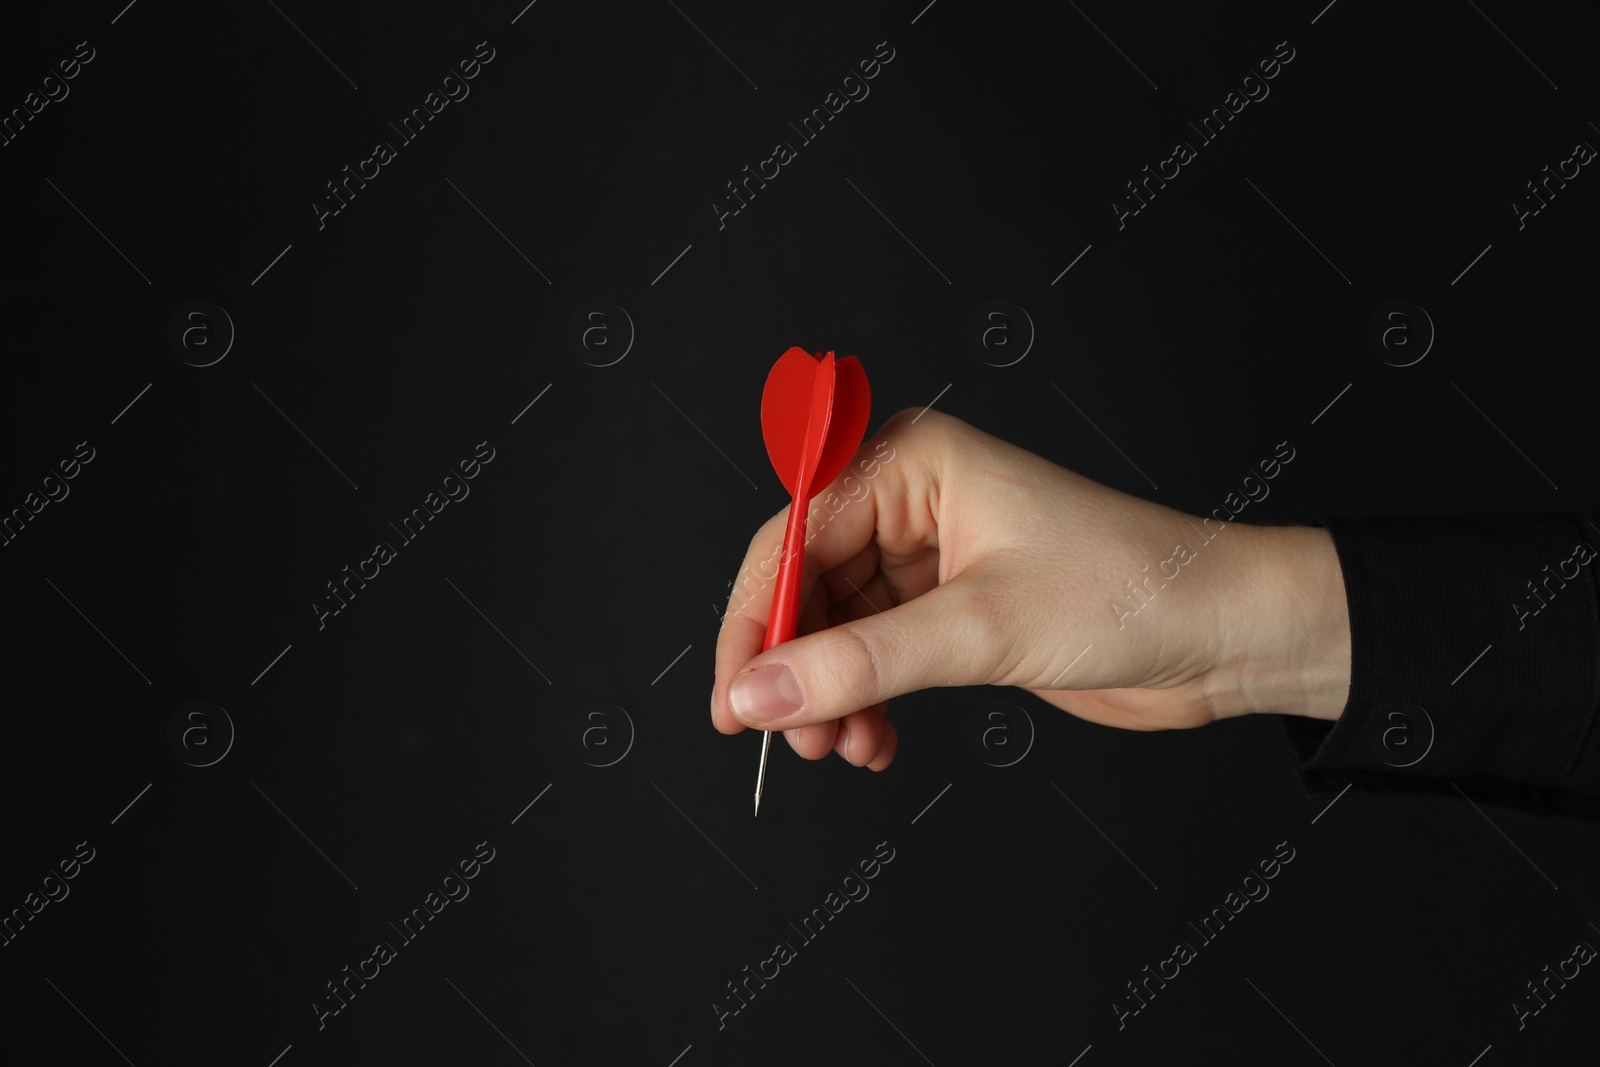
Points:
(601, 539)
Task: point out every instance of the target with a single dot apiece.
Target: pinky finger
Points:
(886, 747)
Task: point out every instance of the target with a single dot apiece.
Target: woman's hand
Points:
(945, 556)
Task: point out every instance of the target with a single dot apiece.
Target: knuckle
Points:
(866, 682)
(913, 422)
(928, 432)
(989, 613)
(769, 532)
(926, 420)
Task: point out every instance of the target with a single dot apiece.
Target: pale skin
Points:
(969, 561)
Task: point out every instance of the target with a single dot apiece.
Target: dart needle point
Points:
(761, 774)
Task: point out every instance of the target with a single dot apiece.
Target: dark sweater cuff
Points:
(1475, 662)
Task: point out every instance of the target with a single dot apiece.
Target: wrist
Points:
(1285, 626)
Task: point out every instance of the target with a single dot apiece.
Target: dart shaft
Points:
(785, 615)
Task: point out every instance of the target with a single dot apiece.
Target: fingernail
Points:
(765, 694)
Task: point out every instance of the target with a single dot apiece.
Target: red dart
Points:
(814, 413)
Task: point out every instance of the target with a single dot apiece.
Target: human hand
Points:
(960, 559)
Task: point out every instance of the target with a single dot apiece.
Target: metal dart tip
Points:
(761, 774)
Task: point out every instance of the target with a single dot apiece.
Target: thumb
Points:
(946, 636)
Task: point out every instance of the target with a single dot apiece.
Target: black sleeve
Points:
(1475, 662)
